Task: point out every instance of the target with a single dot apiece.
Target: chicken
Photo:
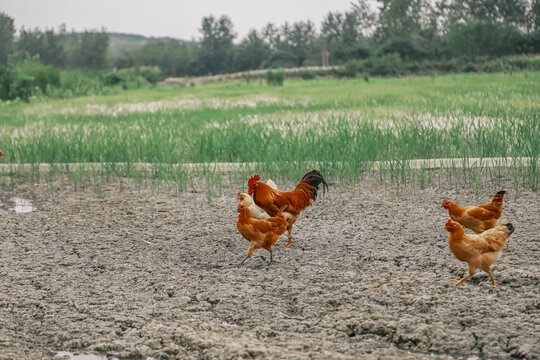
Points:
(479, 251)
(271, 200)
(1, 154)
(247, 201)
(272, 184)
(255, 211)
(260, 233)
(477, 218)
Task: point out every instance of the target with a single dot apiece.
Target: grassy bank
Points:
(342, 124)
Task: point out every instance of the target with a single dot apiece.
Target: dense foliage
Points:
(397, 36)
(393, 37)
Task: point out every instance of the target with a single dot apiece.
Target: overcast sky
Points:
(175, 18)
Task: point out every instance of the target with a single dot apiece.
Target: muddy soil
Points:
(137, 274)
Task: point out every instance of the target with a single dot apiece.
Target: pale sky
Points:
(174, 18)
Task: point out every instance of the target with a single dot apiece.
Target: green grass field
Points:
(343, 125)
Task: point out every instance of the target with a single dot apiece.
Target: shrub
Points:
(406, 48)
(42, 76)
(470, 67)
(15, 85)
(308, 75)
(412, 67)
(5, 82)
(524, 62)
(133, 78)
(276, 77)
(80, 83)
(350, 69)
(493, 66)
(389, 64)
(24, 77)
(113, 78)
(152, 74)
(21, 87)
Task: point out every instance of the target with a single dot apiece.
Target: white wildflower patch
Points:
(188, 102)
(327, 122)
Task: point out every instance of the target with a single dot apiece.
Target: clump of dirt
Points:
(134, 274)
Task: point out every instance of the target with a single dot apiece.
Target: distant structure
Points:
(244, 76)
(325, 55)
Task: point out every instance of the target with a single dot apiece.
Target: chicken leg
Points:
(488, 270)
(472, 271)
(289, 239)
(271, 259)
(250, 251)
(247, 257)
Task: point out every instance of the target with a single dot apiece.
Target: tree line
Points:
(402, 34)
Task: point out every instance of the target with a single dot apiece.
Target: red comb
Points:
(449, 221)
(1, 153)
(253, 180)
(238, 196)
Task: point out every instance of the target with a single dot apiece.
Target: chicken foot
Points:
(457, 282)
(262, 257)
(472, 271)
(488, 270)
(289, 239)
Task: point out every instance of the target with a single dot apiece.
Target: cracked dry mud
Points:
(134, 274)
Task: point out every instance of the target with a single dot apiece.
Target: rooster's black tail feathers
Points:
(315, 178)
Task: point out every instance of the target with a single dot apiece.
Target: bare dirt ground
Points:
(137, 274)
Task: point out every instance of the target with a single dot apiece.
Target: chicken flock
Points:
(265, 213)
(483, 249)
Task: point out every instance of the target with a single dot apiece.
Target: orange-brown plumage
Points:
(262, 234)
(478, 218)
(479, 251)
(297, 200)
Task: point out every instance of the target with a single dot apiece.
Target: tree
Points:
(342, 37)
(251, 53)
(298, 41)
(7, 33)
(48, 45)
(487, 27)
(366, 17)
(87, 49)
(399, 18)
(173, 57)
(29, 42)
(52, 48)
(510, 12)
(406, 27)
(271, 36)
(217, 41)
(533, 15)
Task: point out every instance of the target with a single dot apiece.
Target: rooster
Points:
(479, 251)
(260, 233)
(297, 200)
(478, 218)
(247, 201)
